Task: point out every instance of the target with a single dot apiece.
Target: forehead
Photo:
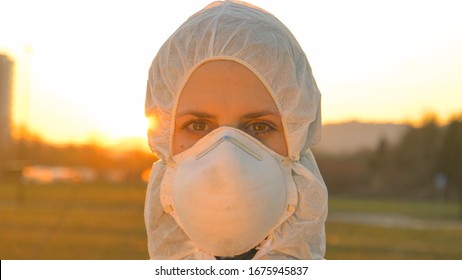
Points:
(224, 85)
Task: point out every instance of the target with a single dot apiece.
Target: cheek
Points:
(178, 144)
(277, 143)
(181, 142)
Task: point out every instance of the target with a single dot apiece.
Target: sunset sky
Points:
(81, 66)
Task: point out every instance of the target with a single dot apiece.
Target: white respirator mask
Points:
(228, 192)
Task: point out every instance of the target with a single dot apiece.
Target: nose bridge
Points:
(236, 142)
(227, 119)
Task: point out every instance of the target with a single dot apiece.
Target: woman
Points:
(236, 110)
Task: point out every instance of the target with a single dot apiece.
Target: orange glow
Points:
(153, 123)
(145, 175)
(85, 78)
(48, 174)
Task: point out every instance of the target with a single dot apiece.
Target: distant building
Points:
(6, 83)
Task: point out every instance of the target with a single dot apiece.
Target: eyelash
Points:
(187, 125)
(270, 127)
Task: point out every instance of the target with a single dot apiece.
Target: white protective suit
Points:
(255, 38)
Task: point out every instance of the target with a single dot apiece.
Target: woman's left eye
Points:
(259, 128)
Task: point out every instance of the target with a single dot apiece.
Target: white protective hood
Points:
(256, 39)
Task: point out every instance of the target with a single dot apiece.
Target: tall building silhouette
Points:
(6, 86)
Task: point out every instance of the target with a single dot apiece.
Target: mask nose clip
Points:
(235, 142)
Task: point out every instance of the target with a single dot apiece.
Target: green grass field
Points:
(104, 221)
(70, 221)
(436, 236)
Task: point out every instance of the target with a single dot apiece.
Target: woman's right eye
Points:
(199, 127)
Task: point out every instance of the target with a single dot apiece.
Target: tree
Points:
(411, 168)
(450, 159)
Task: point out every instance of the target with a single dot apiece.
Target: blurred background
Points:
(74, 160)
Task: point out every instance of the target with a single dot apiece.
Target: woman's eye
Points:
(197, 126)
(260, 128)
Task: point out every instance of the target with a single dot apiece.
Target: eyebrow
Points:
(197, 114)
(252, 115)
(259, 114)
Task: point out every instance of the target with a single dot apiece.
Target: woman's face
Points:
(226, 93)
